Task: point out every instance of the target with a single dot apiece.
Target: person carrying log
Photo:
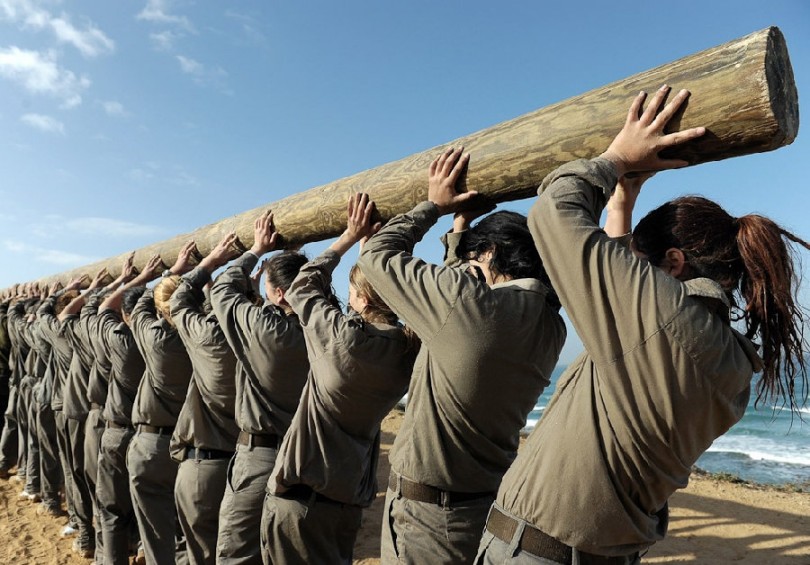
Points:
(6, 360)
(76, 407)
(663, 373)
(43, 416)
(488, 349)
(22, 318)
(268, 342)
(204, 439)
(160, 396)
(56, 332)
(97, 389)
(119, 529)
(360, 366)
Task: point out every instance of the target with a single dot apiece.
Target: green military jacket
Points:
(662, 376)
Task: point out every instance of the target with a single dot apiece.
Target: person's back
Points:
(481, 374)
(360, 363)
(272, 367)
(488, 350)
(269, 344)
(204, 439)
(168, 368)
(160, 397)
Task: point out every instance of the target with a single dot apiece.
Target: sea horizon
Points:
(769, 445)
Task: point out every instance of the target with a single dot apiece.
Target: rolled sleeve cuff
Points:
(599, 172)
(247, 261)
(197, 278)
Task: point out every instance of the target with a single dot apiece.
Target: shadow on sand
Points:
(698, 523)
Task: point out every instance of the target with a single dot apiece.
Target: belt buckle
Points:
(444, 499)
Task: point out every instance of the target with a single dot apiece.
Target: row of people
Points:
(273, 408)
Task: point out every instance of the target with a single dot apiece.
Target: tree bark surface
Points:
(743, 92)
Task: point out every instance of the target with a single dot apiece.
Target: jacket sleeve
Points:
(309, 296)
(108, 320)
(233, 308)
(17, 319)
(143, 316)
(450, 241)
(186, 306)
(614, 299)
(89, 314)
(421, 294)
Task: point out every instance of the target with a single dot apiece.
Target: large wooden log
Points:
(743, 92)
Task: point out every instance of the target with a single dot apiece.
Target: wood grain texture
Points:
(743, 92)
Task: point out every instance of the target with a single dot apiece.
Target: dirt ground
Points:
(711, 522)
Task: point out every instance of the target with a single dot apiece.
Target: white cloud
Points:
(157, 11)
(43, 123)
(153, 173)
(182, 178)
(111, 227)
(164, 40)
(190, 66)
(39, 73)
(202, 75)
(53, 256)
(90, 41)
(140, 175)
(54, 225)
(114, 108)
(249, 25)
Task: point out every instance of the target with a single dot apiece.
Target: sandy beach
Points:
(711, 522)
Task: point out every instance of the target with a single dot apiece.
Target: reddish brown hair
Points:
(753, 259)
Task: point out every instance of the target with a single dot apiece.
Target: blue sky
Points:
(124, 123)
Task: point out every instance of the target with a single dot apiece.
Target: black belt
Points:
(541, 544)
(426, 493)
(117, 426)
(304, 493)
(200, 453)
(258, 440)
(160, 430)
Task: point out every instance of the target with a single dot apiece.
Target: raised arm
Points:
(234, 291)
(358, 225)
(77, 303)
(186, 303)
(461, 223)
(619, 222)
(149, 273)
(310, 294)
(421, 294)
(602, 285)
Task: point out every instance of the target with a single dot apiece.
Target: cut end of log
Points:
(781, 86)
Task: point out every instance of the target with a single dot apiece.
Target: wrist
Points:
(443, 210)
(617, 161)
(258, 250)
(209, 264)
(343, 243)
(460, 224)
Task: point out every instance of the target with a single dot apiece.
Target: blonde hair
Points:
(163, 292)
(376, 310)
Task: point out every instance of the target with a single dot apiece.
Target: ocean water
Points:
(766, 446)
